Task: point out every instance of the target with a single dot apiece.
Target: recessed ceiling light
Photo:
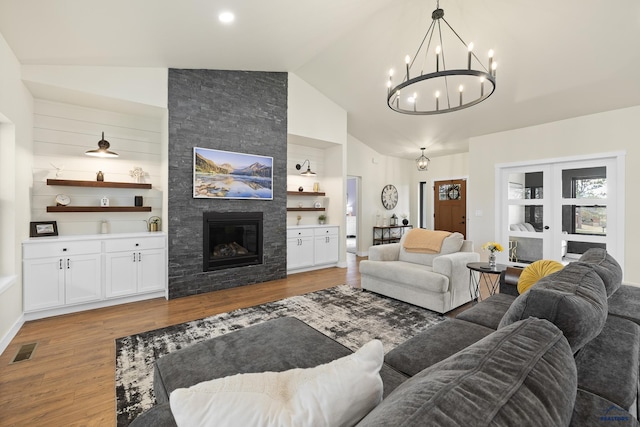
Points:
(226, 17)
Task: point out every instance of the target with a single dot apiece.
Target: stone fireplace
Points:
(238, 111)
(231, 239)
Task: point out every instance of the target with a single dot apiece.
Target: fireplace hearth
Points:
(231, 239)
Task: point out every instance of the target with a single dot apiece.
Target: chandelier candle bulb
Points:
(437, 100)
(490, 59)
(481, 86)
(407, 60)
(493, 68)
(469, 55)
(460, 88)
(438, 49)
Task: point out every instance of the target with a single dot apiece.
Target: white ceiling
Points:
(557, 59)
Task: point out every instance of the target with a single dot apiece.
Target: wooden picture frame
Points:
(43, 228)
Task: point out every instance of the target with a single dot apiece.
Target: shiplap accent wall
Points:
(62, 133)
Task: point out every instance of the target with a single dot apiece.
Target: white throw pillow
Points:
(339, 393)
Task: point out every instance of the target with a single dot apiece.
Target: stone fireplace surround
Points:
(234, 111)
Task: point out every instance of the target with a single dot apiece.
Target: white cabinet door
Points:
(43, 283)
(326, 245)
(82, 279)
(121, 274)
(299, 253)
(151, 275)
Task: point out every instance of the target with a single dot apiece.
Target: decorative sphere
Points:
(300, 189)
(405, 221)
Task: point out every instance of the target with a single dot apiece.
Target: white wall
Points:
(376, 171)
(617, 130)
(312, 115)
(16, 115)
(62, 133)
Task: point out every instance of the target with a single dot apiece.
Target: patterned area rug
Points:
(347, 315)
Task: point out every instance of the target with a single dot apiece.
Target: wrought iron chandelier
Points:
(424, 92)
(422, 162)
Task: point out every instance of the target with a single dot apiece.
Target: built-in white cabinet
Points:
(134, 265)
(61, 273)
(299, 248)
(326, 245)
(312, 247)
(72, 273)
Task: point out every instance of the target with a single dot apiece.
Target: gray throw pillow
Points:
(606, 266)
(524, 373)
(574, 299)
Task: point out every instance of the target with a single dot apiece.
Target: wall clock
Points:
(389, 196)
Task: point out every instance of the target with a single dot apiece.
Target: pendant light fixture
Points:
(103, 149)
(422, 162)
(308, 172)
(428, 86)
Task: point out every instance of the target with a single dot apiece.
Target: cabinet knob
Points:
(64, 249)
(137, 244)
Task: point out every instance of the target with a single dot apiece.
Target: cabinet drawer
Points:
(54, 249)
(326, 231)
(302, 232)
(133, 244)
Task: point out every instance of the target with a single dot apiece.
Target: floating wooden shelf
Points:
(102, 184)
(305, 209)
(305, 193)
(98, 209)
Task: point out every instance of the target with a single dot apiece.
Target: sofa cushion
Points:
(591, 410)
(418, 276)
(451, 244)
(625, 303)
(488, 312)
(434, 345)
(339, 393)
(574, 299)
(606, 266)
(524, 372)
(608, 364)
(536, 271)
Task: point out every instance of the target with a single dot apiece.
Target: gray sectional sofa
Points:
(566, 352)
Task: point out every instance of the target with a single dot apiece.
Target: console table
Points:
(389, 233)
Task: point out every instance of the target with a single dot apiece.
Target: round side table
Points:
(490, 276)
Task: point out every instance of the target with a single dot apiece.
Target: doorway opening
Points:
(353, 213)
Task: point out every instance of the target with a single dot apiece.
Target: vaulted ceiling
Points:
(557, 59)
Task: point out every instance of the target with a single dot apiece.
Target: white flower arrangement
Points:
(137, 173)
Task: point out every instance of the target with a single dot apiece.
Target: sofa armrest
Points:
(389, 252)
(454, 266)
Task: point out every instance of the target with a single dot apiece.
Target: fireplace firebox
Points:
(231, 239)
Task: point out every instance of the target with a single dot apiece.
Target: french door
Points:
(559, 209)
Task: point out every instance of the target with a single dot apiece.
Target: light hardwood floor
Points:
(70, 380)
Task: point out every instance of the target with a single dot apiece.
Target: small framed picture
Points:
(43, 228)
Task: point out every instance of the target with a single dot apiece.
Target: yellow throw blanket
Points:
(425, 241)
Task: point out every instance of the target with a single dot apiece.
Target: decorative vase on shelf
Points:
(492, 260)
(405, 221)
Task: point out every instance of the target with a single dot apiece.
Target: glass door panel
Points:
(584, 209)
(526, 213)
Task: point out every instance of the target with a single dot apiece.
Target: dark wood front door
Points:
(450, 206)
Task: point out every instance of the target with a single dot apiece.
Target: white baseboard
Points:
(6, 340)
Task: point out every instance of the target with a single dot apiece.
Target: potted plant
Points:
(322, 218)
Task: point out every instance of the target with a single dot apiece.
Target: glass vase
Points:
(492, 260)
